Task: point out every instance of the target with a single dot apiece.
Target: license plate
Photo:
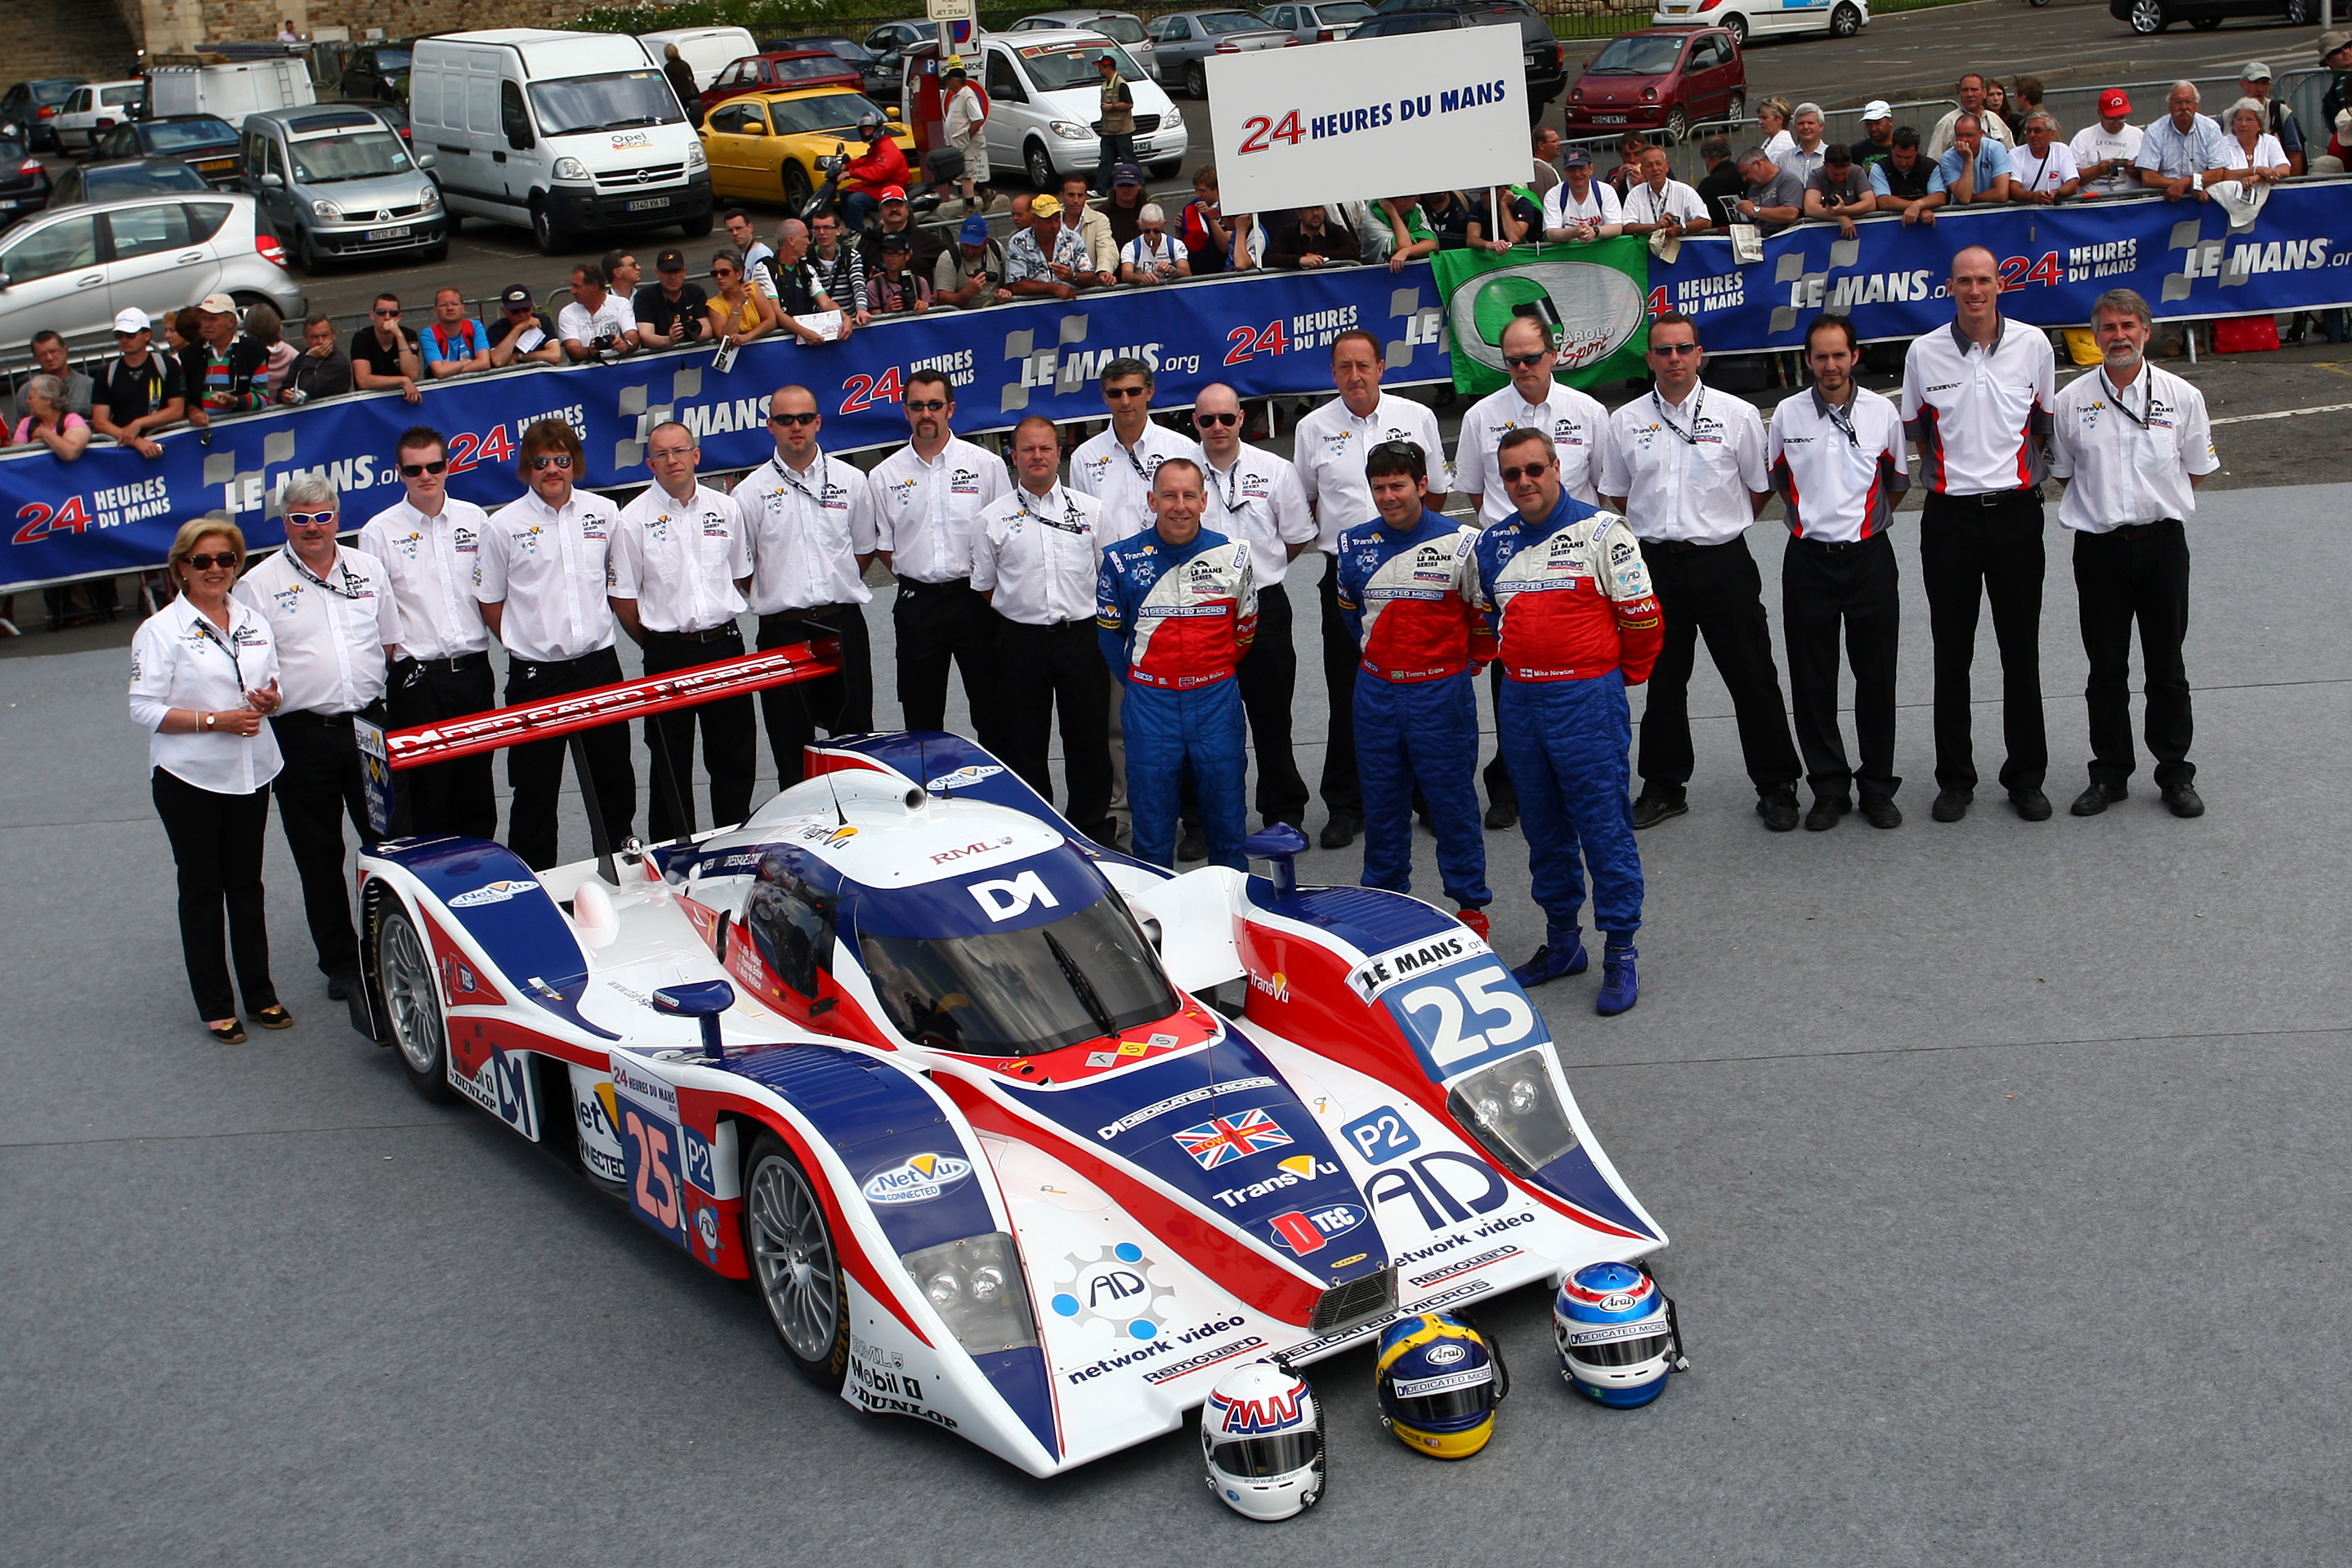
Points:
(1608, 119)
(214, 165)
(649, 203)
(403, 232)
(7, 206)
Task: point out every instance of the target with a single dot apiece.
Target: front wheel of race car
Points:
(411, 1002)
(795, 1264)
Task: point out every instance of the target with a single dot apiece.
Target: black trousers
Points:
(731, 747)
(1977, 549)
(320, 785)
(1268, 675)
(2140, 572)
(1824, 588)
(1714, 591)
(536, 771)
(448, 797)
(216, 845)
(1343, 792)
(1046, 668)
(838, 703)
(937, 623)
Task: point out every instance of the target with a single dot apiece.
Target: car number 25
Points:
(1466, 1016)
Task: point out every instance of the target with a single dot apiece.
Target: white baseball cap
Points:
(132, 320)
(1878, 108)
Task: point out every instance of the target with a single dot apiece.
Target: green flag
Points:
(1595, 298)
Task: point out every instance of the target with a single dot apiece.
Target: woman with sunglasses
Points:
(203, 675)
(740, 312)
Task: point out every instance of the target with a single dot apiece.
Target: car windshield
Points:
(834, 112)
(186, 135)
(1087, 976)
(1125, 29)
(620, 101)
(54, 91)
(133, 179)
(1058, 67)
(388, 61)
(1216, 24)
(360, 155)
(1636, 57)
(826, 65)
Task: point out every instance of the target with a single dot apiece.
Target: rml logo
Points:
(1003, 900)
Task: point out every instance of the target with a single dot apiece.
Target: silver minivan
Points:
(336, 180)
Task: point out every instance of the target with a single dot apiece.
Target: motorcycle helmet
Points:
(1262, 1439)
(1617, 1334)
(1439, 1380)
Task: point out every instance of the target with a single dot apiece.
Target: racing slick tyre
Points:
(1845, 21)
(411, 1005)
(794, 1265)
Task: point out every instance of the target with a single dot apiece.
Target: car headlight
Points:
(570, 169)
(694, 158)
(327, 210)
(428, 195)
(1511, 1108)
(975, 1286)
(1173, 120)
(1068, 132)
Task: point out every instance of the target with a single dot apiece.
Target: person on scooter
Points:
(880, 166)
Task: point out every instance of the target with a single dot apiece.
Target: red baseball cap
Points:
(891, 193)
(2113, 102)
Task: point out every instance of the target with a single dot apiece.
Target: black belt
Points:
(1995, 497)
(537, 666)
(450, 666)
(716, 634)
(374, 712)
(1684, 546)
(917, 585)
(2143, 530)
(1834, 545)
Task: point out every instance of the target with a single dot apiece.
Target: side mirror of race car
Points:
(1277, 844)
(704, 999)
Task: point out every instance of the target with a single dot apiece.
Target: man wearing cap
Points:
(893, 282)
(2106, 149)
(1971, 92)
(2335, 58)
(521, 335)
(219, 370)
(453, 342)
(2254, 82)
(2183, 150)
(1580, 208)
(1124, 212)
(384, 355)
(1877, 134)
(897, 218)
(598, 324)
(967, 132)
(669, 311)
(144, 390)
(1046, 258)
(1117, 126)
(882, 165)
(968, 272)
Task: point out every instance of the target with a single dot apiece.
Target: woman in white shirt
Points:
(2253, 148)
(203, 675)
(1772, 124)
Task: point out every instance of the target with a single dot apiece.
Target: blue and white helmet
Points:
(1262, 1439)
(1617, 1334)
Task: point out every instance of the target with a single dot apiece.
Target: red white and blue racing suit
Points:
(1570, 602)
(1409, 597)
(1174, 621)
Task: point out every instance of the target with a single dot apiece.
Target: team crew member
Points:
(1330, 446)
(541, 577)
(427, 544)
(1175, 638)
(332, 614)
(2132, 444)
(928, 497)
(677, 558)
(1567, 595)
(1975, 404)
(1685, 465)
(1408, 584)
(203, 675)
(810, 522)
(1836, 457)
(1036, 554)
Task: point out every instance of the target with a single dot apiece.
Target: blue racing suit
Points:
(1409, 596)
(1174, 621)
(1571, 602)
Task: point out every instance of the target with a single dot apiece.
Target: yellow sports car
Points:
(765, 146)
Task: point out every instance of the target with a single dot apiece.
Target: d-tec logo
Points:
(1307, 1230)
(918, 1180)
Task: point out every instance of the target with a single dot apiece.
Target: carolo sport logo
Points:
(1596, 310)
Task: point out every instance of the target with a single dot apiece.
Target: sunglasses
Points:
(410, 470)
(1532, 471)
(1525, 361)
(722, 272)
(387, 315)
(225, 561)
(810, 417)
(547, 460)
(922, 405)
(1125, 392)
(1216, 419)
(1399, 448)
(1673, 350)
(310, 519)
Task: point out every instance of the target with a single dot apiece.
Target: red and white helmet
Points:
(1262, 1439)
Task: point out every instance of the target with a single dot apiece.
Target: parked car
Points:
(34, 105)
(2156, 15)
(1119, 27)
(125, 178)
(23, 183)
(873, 78)
(206, 143)
(707, 51)
(764, 147)
(898, 37)
(393, 114)
(1659, 80)
(1187, 39)
(1547, 66)
(91, 108)
(1770, 18)
(1319, 23)
(379, 71)
(781, 71)
(1399, 23)
(1045, 96)
(70, 269)
(336, 182)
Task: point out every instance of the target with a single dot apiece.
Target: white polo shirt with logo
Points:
(925, 509)
(1573, 420)
(1260, 502)
(2127, 452)
(1331, 446)
(679, 559)
(1119, 476)
(1838, 469)
(1979, 415)
(1686, 471)
(549, 566)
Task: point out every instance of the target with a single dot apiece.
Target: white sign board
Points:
(1357, 119)
(948, 10)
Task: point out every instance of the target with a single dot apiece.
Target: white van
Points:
(708, 50)
(231, 91)
(568, 134)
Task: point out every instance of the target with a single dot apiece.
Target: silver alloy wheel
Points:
(411, 996)
(2148, 16)
(795, 1258)
(1844, 22)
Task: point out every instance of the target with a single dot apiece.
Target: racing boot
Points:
(1561, 954)
(1619, 986)
(1473, 917)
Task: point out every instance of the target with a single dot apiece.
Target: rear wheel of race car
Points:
(411, 1005)
(794, 1265)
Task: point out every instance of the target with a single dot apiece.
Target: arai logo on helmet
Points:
(1444, 1354)
(962, 776)
(1618, 1302)
(918, 1180)
(490, 893)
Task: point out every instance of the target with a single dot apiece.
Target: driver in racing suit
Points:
(1407, 585)
(1175, 611)
(1572, 604)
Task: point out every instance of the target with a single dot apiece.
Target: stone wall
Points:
(37, 40)
(171, 26)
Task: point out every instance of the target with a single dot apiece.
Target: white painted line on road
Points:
(2282, 414)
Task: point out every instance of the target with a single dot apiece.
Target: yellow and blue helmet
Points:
(1439, 1381)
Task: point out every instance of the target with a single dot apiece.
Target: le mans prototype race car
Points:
(1013, 1134)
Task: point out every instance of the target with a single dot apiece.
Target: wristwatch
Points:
(206, 719)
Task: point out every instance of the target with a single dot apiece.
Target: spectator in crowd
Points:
(2334, 160)
(1976, 169)
(1628, 173)
(967, 132)
(2254, 82)
(968, 271)
(758, 259)
(180, 329)
(1775, 196)
(452, 343)
(1663, 205)
(1116, 125)
(2106, 151)
(203, 675)
(2335, 59)
(741, 313)
(1124, 211)
(2181, 150)
(1805, 160)
(1877, 131)
(1151, 257)
(1046, 258)
(1840, 191)
(683, 82)
(144, 390)
(897, 217)
(2250, 151)
(1093, 227)
(836, 267)
(1248, 251)
(521, 335)
(220, 368)
(898, 285)
(669, 309)
(1580, 207)
(287, 33)
(49, 359)
(790, 283)
(1722, 181)
(48, 420)
(263, 326)
(2024, 98)
(1996, 108)
(1546, 174)
(1206, 239)
(322, 369)
(882, 165)
(1772, 128)
(1310, 242)
(598, 324)
(385, 354)
(1490, 228)
(622, 274)
(1971, 90)
(2041, 169)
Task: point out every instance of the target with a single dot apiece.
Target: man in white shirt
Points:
(428, 544)
(1837, 458)
(2131, 443)
(810, 524)
(1971, 93)
(1660, 204)
(1686, 466)
(597, 324)
(1580, 208)
(1035, 556)
(332, 614)
(2107, 150)
(2042, 170)
(541, 578)
(2179, 152)
(1330, 447)
(928, 497)
(1976, 406)
(678, 557)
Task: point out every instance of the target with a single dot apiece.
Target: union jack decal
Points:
(1222, 1138)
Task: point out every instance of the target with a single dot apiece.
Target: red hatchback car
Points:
(1660, 81)
(780, 69)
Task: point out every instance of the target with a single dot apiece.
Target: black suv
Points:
(1547, 66)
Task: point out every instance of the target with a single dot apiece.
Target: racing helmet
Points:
(1440, 1380)
(1617, 1334)
(1262, 1439)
